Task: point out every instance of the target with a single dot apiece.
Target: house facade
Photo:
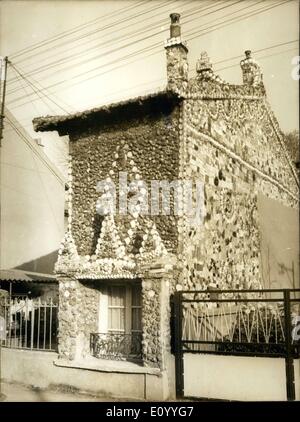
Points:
(118, 268)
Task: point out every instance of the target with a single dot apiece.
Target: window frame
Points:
(103, 314)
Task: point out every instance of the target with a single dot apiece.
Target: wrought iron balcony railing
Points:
(116, 346)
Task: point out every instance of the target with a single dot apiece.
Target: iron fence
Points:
(29, 323)
(239, 322)
(116, 346)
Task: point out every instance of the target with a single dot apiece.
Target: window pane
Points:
(136, 319)
(136, 295)
(116, 319)
(116, 296)
(116, 308)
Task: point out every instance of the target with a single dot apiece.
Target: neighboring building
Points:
(27, 284)
(32, 224)
(117, 273)
(32, 202)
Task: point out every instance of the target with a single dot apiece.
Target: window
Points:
(124, 308)
(120, 330)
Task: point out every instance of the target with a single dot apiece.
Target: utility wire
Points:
(33, 81)
(132, 55)
(23, 86)
(260, 58)
(205, 30)
(111, 40)
(109, 96)
(34, 154)
(157, 44)
(128, 36)
(37, 90)
(61, 152)
(29, 143)
(257, 51)
(71, 31)
(143, 50)
(243, 17)
(161, 79)
(111, 26)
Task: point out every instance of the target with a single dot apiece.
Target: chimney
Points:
(176, 51)
(175, 29)
(252, 74)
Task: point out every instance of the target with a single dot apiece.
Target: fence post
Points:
(178, 345)
(289, 363)
(32, 327)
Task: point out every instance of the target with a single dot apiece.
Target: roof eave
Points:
(66, 123)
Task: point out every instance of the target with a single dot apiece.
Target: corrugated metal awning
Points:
(20, 275)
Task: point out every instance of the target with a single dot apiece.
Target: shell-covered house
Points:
(118, 270)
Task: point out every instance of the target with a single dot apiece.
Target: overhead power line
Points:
(111, 26)
(108, 97)
(29, 143)
(260, 58)
(156, 45)
(111, 41)
(34, 155)
(38, 90)
(258, 51)
(77, 28)
(148, 49)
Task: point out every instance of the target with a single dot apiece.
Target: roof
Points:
(158, 102)
(19, 275)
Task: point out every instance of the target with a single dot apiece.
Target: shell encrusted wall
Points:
(232, 145)
(78, 317)
(152, 145)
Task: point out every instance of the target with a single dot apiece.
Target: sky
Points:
(70, 55)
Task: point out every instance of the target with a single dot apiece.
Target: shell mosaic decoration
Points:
(113, 256)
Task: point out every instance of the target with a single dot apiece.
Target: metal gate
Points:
(260, 323)
(29, 323)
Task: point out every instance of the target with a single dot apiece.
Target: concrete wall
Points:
(32, 204)
(38, 369)
(237, 378)
(279, 229)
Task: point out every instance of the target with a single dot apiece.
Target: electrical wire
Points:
(143, 50)
(120, 60)
(37, 90)
(133, 34)
(28, 142)
(71, 31)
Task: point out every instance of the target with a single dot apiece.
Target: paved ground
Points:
(22, 393)
(12, 392)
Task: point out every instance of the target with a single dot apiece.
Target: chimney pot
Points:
(175, 29)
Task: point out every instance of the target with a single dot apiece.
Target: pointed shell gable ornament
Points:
(203, 63)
